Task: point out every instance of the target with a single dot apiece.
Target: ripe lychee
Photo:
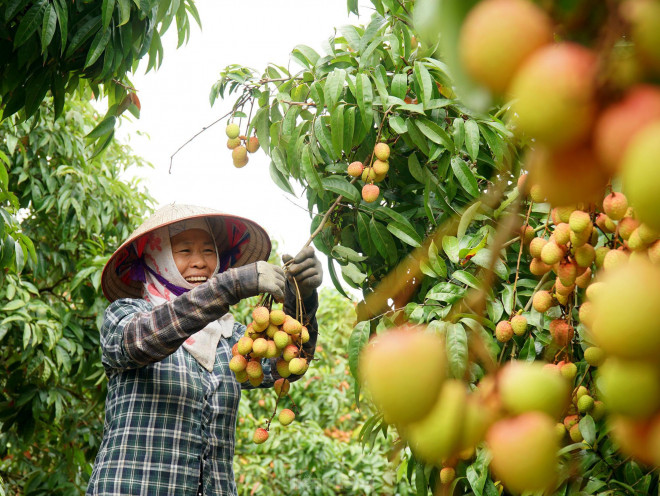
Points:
(252, 144)
(551, 253)
(562, 333)
(503, 331)
(244, 345)
(615, 205)
(233, 143)
(290, 352)
(237, 363)
(536, 245)
(254, 369)
(567, 272)
(519, 325)
(286, 416)
(403, 389)
(562, 233)
(261, 316)
(355, 169)
(381, 167)
(239, 156)
(259, 347)
(291, 326)
(260, 436)
(542, 301)
(538, 268)
(605, 223)
(370, 193)
(232, 130)
(382, 151)
(554, 95)
(579, 221)
(492, 53)
(583, 280)
(626, 226)
(447, 475)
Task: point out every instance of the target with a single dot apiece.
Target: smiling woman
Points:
(195, 255)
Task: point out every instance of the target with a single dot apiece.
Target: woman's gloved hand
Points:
(306, 269)
(271, 279)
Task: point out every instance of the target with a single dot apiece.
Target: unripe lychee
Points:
(241, 376)
(258, 327)
(522, 184)
(233, 143)
(563, 290)
(304, 335)
(595, 290)
(447, 475)
(519, 325)
(647, 234)
(553, 94)
(542, 301)
(570, 421)
(614, 258)
(579, 221)
(653, 252)
(562, 333)
(276, 317)
(536, 245)
(615, 205)
(281, 387)
(525, 387)
(601, 251)
(503, 331)
(254, 369)
(382, 151)
(560, 429)
(404, 389)
(585, 404)
(580, 392)
(244, 345)
(292, 326)
(260, 436)
(355, 169)
(564, 213)
(237, 363)
(594, 355)
(536, 194)
(286, 416)
(643, 17)
(252, 144)
(626, 227)
(297, 365)
(635, 242)
(605, 223)
(538, 268)
(259, 347)
(492, 53)
(232, 130)
(524, 452)
(381, 167)
(271, 330)
(562, 233)
(272, 350)
(282, 367)
(368, 174)
(630, 388)
(568, 370)
(261, 316)
(281, 339)
(575, 434)
(370, 193)
(641, 175)
(551, 253)
(584, 255)
(527, 233)
(239, 156)
(583, 281)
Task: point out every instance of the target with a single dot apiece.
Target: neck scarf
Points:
(162, 282)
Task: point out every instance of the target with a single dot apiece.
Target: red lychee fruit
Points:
(355, 169)
(286, 416)
(370, 193)
(252, 144)
(503, 331)
(542, 301)
(382, 151)
(615, 205)
(562, 333)
(260, 436)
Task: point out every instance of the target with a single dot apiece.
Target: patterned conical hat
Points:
(240, 241)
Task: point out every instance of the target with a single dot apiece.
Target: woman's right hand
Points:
(271, 279)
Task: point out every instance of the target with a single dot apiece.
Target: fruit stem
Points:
(522, 244)
(538, 286)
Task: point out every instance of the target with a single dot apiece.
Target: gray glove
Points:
(306, 269)
(270, 279)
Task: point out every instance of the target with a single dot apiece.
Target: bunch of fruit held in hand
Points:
(240, 145)
(276, 336)
(374, 173)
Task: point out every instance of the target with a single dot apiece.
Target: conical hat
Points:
(257, 247)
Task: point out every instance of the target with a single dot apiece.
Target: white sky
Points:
(175, 106)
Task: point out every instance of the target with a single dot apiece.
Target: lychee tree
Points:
(522, 283)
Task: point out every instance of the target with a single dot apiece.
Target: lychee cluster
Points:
(240, 145)
(373, 174)
(588, 123)
(271, 334)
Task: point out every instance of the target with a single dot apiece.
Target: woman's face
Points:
(194, 255)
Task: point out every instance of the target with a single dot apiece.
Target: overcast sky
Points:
(175, 106)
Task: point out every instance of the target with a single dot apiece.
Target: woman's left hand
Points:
(306, 269)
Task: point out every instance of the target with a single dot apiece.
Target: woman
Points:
(166, 343)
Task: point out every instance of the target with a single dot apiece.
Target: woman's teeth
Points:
(196, 279)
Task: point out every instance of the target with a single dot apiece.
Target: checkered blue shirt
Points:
(168, 419)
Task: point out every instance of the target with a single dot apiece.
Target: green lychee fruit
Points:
(601, 251)
(551, 253)
(562, 233)
(368, 174)
(579, 221)
(281, 339)
(598, 411)
(244, 345)
(626, 226)
(524, 452)
(238, 363)
(653, 252)
(564, 213)
(585, 404)
(282, 367)
(647, 234)
(606, 224)
(526, 387)
(232, 130)
(381, 167)
(561, 430)
(241, 376)
(630, 388)
(492, 53)
(370, 193)
(286, 416)
(277, 317)
(272, 351)
(614, 259)
(594, 355)
(584, 255)
(291, 326)
(569, 371)
(536, 246)
(233, 143)
(519, 325)
(615, 205)
(402, 387)
(575, 434)
(259, 347)
(382, 151)
(297, 365)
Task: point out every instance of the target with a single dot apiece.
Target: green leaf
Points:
(417, 137)
(104, 127)
(279, 179)
(311, 174)
(107, 9)
(398, 124)
(472, 139)
(415, 168)
(466, 278)
(351, 272)
(459, 133)
(402, 233)
(124, 11)
(346, 253)
(48, 27)
(83, 33)
(587, 428)
(402, 223)
(29, 23)
(63, 20)
(466, 218)
(13, 305)
(445, 292)
(365, 100)
(337, 130)
(424, 81)
(99, 43)
(363, 233)
(334, 85)
(334, 278)
(465, 176)
(308, 53)
(383, 240)
(420, 481)
(323, 137)
(399, 86)
(450, 247)
(13, 8)
(339, 185)
(528, 351)
(358, 340)
(435, 133)
(457, 350)
(437, 264)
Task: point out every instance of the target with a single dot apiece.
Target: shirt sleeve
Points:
(134, 334)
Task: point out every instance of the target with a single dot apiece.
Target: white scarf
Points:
(158, 256)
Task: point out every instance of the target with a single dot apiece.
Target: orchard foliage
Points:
(76, 209)
(445, 245)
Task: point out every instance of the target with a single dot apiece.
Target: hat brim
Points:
(257, 247)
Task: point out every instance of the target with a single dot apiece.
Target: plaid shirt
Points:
(166, 417)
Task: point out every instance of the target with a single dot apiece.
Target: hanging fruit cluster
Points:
(374, 173)
(240, 145)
